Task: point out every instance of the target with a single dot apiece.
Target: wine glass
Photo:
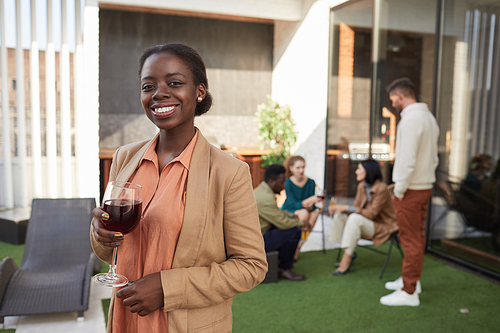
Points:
(333, 202)
(321, 195)
(123, 202)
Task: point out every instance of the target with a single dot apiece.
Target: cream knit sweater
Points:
(416, 150)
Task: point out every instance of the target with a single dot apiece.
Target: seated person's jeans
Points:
(283, 241)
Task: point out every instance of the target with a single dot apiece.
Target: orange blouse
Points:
(150, 248)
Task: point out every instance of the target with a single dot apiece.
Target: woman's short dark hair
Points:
(372, 171)
(273, 171)
(193, 61)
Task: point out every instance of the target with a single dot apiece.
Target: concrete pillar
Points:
(87, 102)
(300, 79)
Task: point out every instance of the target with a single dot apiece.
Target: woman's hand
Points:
(307, 203)
(306, 226)
(102, 235)
(337, 209)
(143, 296)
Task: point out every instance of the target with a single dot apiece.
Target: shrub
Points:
(276, 131)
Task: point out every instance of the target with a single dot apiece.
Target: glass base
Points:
(110, 280)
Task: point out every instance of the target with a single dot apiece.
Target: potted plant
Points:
(276, 131)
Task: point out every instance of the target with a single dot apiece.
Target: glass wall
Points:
(370, 39)
(406, 31)
(466, 202)
(450, 49)
(349, 98)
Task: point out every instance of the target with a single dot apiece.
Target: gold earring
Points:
(199, 99)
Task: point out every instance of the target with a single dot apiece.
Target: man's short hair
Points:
(273, 171)
(402, 85)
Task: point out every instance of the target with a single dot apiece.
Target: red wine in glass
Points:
(124, 215)
(123, 202)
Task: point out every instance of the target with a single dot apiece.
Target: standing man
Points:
(414, 175)
(280, 228)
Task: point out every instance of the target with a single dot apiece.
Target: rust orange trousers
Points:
(411, 213)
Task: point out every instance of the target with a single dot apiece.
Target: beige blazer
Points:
(220, 251)
(379, 209)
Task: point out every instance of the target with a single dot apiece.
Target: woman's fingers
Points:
(130, 300)
(126, 292)
(333, 209)
(100, 214)
(306, 226)
(144, 295)
(104, 236)
(135, 307)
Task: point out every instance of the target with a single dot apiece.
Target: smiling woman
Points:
(200, 227)
(169, 96)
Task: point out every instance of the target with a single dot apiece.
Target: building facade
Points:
(450, 49)
(330, 60)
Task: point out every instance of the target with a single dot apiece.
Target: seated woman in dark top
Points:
(300, 198)
(371, 216)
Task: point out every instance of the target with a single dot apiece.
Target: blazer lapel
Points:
(363, 197)
(195, 212)
(131, 165)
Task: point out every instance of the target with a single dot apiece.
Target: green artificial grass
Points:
(16, 253)
(105, 309)
(104, 268)
(350, 303)
(13, 251)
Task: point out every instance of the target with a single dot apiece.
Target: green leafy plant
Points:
(276, 130)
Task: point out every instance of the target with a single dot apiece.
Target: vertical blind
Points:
(42, 80)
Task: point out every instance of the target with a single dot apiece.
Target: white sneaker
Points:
(399, 298)
(398, 284)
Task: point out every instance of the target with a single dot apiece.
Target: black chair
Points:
(393, 241)
(272, 267)
(57, 264)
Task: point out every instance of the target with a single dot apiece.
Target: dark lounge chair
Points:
(57, 264)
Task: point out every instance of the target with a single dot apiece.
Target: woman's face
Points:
(168, 92)
(487, 164)
(298, 168)
(360, 173)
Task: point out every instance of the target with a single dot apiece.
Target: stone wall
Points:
(238, 57)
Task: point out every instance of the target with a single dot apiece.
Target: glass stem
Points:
(112, 267)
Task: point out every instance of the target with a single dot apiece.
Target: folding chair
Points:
(393, 240)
